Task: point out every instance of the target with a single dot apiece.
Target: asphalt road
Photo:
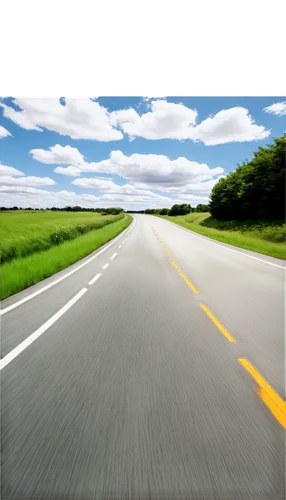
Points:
(129, 390)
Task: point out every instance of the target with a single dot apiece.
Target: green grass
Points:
(264, 237)
(24, 233)
(21, 273)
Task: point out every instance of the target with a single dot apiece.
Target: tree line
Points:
(103, 211)
(177, 209)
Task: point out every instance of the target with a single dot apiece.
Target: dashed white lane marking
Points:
(94, 279)
(113, 256)
(105, 266)
(120, 246)
(20, 348)
(29, 297)
(209, 240)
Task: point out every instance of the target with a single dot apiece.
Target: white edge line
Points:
(15, 352)
(211, 241)
(113, 256)
(29, 297)
(96, 277)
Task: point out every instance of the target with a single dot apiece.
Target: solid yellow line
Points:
(278, 414)
(167, 253)
(174, 264)
(189, 283)
(162, 243)
(217, 323)
(267, 391)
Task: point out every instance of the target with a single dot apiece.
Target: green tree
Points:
(202, 208)
(256, 189)
(182, 209)
(164, 211)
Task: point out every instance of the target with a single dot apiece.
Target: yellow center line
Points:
(188, 282)
(270, 397)
(162, 243)
(174, 264)
(278, 414)
(167, 253)
(217, 323)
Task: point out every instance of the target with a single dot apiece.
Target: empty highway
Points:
(152, 369)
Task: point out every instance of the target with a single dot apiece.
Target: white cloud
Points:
(5, 170)
(4, 132)
(166, 120)
(58, 154)
(142, 171)
(277, 108)
(153, 171)
(86, 119)
(26, 181)
(78, 118)
(229, 125)
(69, 171)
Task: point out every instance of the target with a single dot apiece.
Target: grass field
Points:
(22, 272)
(259, 236)
(24, 233)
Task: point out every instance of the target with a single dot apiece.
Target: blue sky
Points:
(131, 152)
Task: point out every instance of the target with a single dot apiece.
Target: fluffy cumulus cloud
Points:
(143, 172)
(87, 119)
(76, 118)
(58, 154)
(154, 171)
(18, 189)
(167, 120)
(4, 132)
(229, 125)
(277, 108)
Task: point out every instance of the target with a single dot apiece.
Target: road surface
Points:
(122, 382)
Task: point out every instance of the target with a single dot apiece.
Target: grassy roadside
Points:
(23, 272)
(267, 239)
(26, 233)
